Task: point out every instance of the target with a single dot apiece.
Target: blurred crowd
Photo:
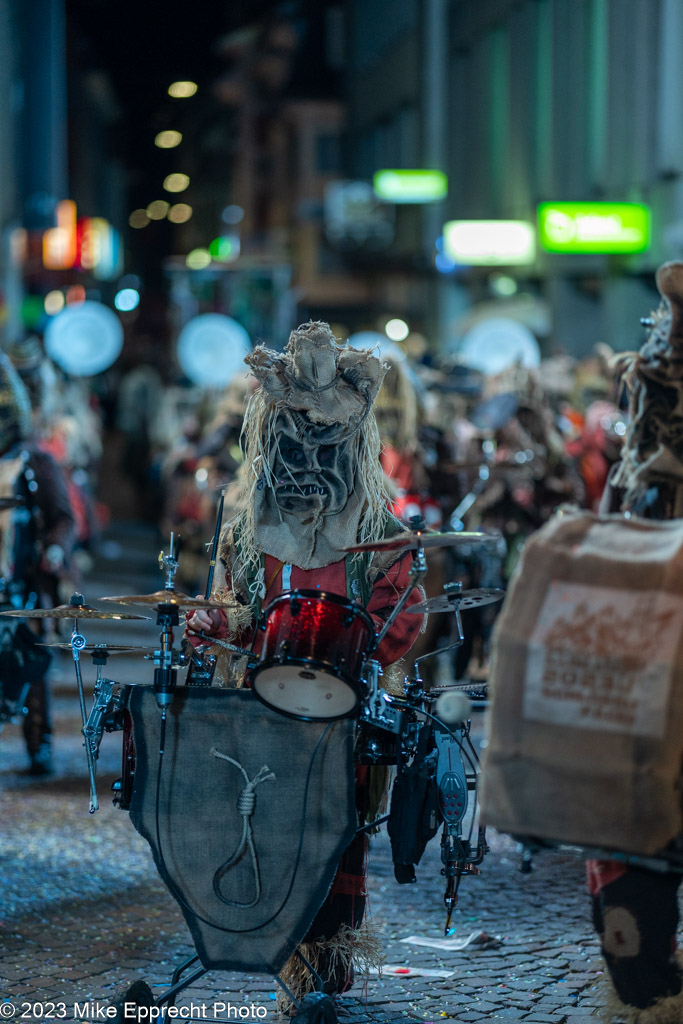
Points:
(464, 452)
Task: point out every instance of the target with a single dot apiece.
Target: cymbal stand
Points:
(417, 573)
(78, 642)
(167, 659)
(453, 590)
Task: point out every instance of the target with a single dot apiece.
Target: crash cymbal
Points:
(68, 611)
(102, 648)
(10, 501)
(413, 541)
(467, 599)
(165, 597)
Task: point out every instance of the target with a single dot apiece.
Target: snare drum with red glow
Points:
(312, 655)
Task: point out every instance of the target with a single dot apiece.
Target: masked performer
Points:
(314, 486)
(635, 910)
(36, 540)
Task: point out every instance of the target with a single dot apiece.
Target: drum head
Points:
(305, 692)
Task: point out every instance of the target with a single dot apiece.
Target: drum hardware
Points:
(102, 650)
(378, 708)
(105, 714)
(464, 599)
(77, 609)
(78, 644)
(416, 573)
(167, 659)
(11, 501)
(424, 539)
(202, 665)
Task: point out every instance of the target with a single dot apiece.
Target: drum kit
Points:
(315, 663)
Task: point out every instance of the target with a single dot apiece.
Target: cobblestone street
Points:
(84, 912)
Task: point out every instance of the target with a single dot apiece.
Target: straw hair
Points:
(257, 437)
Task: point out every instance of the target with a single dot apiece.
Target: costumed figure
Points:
(635, 911)
(314, 486)
(36, 540)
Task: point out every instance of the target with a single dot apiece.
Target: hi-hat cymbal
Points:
(68, 611)
(102, 648)
(467, 599)
(10, 501)
(174, 597)
(413, 541)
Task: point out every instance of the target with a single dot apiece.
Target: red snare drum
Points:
(312, 655)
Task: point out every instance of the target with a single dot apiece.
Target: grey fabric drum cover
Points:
(246, 910)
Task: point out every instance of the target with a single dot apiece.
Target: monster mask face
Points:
(310, 497)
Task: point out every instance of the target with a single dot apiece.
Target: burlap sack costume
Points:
(586, 727)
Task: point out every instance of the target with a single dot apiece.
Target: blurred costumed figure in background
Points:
(36, 541)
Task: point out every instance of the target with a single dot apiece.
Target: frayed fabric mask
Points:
(309, 498)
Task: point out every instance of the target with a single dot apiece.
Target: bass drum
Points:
(312, 657)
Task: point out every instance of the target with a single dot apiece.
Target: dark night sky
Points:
(144, 46)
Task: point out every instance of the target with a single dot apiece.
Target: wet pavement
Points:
(84, 913)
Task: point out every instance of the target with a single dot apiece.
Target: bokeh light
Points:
(179, 213)
(158, 209)
(53, 302)
(75, 295)
(396, 329)
(232, 214)
(138, 219)
(127, 299)
(168, 139)
(198, 259)
(176, 182)
(225, 248)
(182, 90)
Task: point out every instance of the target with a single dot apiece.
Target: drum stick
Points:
(214, 547)
(212, 561)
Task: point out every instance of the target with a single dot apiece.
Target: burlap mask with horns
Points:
(307, 430)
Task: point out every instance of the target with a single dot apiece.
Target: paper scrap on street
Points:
(482, 940)
(401, 971)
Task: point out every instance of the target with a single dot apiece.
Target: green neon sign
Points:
(594, 227)
(410, 186)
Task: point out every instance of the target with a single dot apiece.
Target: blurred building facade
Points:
(521, 102)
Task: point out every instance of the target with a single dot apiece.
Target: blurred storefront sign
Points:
(355, 218)
(594, 227)
(86, 243)
(489, 243)
(415, 186)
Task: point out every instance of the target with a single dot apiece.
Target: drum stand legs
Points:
(315, 1008)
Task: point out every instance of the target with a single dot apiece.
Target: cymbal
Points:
(423, 539)
(68, 611)
(11, 501)
(102, 648)
(449, 602)
(165, 597)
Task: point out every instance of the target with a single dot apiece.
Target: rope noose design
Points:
(245, 805)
